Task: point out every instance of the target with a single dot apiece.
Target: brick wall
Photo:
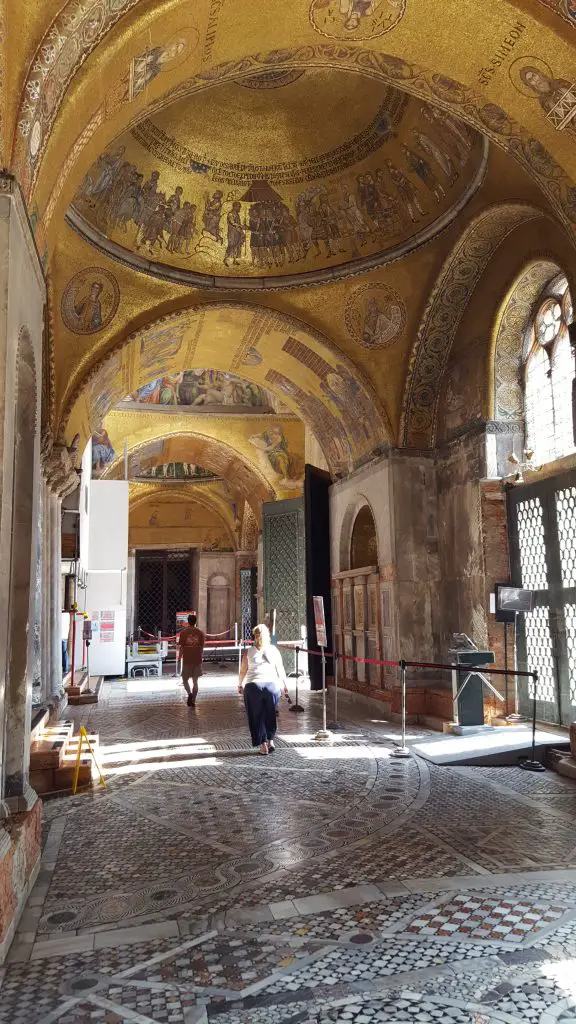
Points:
(497, 570)
(17, 870)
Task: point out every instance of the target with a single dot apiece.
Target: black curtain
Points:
(318, 577)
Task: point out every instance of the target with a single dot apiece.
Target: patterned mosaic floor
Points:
(209, 884)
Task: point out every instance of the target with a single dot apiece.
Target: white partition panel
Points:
(108, 525)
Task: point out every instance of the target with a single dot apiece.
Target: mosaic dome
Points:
(361, 174)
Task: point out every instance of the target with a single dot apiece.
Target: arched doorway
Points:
(356, 602)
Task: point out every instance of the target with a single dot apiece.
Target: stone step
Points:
(48, 751)
(59, 780)
(39, 722)
(87, 693)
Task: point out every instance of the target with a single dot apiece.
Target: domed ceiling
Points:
(361, 174)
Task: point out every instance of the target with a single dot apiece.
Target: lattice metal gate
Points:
(542, 519)
(248, 606)
(284, 567)
(163, 587)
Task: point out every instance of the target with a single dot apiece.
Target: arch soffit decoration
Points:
(260, 485)
(449, 94)
(443, 314)
(361, 408)
(513, 318)
(348, 519)
(87, 26)
(151, 497)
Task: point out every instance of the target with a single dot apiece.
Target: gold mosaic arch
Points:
(275, 350)
(142, 494)
(439, 325)
(78, 29)
(245, 477)
(491, 112)
(507, 342)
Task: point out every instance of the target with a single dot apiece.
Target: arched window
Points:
(548, 376)
(363, 545)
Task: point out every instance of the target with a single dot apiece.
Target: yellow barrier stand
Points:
(84, 737)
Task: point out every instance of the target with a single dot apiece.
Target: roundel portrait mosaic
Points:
(375, 316)
(356, 19)
(89, 301)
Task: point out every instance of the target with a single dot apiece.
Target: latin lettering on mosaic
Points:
(375, 316)
(90, 300)
(356, 19)
(273, 445)
(533, 77)
(271, 79)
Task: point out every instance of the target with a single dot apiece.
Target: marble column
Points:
(46, 637)
(56, 596)
(23, 294)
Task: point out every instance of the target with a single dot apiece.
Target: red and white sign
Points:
(320, 622)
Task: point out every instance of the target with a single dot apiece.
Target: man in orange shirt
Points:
(190, 648)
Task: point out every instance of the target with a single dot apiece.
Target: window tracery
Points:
(549, 376)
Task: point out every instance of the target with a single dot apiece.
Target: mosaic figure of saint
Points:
(380, 325)
(212, 215)
(236, 236)
(142, 70)
(275, 446)
(407, 192)
(433, 150)
(89, 309)
(550, 92)
(419, 166)
(450, 131)
(102, 451)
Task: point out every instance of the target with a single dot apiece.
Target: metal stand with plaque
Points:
(510, 602)
(468, 693)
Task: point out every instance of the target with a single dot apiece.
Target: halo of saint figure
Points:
(260, 228)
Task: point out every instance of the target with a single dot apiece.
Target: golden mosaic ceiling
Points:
(357, 173)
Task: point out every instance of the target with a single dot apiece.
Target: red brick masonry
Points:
(18, 864)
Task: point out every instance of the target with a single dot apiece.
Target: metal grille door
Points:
(284, 566)
(247, 601)
(542, 520)
(163, 587)
(150, 593)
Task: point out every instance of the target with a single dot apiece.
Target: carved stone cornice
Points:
(58, 460)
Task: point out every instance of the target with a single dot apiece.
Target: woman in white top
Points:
(262, 679)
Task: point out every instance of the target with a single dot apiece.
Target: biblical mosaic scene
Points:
(401, 168)
(288, 471)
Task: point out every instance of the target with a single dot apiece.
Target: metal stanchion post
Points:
(323, 735)
(335, 724)
(296, 707)
(239, 657)
(531, 764)
(402, 750)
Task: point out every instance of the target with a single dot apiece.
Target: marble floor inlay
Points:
(320, 884)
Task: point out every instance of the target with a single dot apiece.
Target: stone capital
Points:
(58, 460)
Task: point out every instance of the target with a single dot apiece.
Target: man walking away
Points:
(190, 648)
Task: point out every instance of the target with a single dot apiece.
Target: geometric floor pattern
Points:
(320, 884)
